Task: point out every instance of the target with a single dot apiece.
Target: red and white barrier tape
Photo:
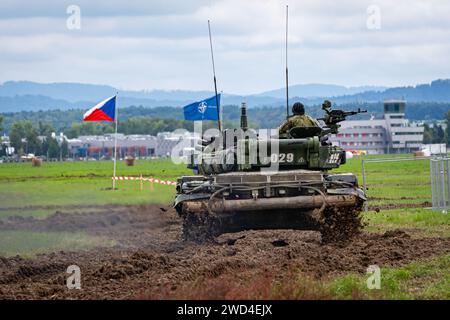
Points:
(168, 183)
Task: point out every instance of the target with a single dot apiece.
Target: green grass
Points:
(83, 183)
(161, 168)
(29, 243)
(71, 183)
(80, 191)
(406, 182)
(89, 183)
(424, 221)
(418, 280)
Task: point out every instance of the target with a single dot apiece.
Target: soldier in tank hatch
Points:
(298, 119)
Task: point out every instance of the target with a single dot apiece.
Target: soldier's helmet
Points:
(298, 108)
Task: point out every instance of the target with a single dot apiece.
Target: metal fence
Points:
(396, 182)
(440, 183)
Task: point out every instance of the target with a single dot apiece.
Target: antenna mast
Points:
(215, 81)
(287, 72)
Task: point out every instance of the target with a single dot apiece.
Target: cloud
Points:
(164, 44)
(99, 8)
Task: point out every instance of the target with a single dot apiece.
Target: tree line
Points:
(40, 141)
(261, 117)
(437, 134)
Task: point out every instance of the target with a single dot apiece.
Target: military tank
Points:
(247, 181)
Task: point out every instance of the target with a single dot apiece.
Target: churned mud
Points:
(151, 256)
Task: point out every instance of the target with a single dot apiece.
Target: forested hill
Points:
(31, 96)
(153, 120)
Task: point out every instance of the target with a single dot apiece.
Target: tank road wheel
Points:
(340, 224)
(199, 226)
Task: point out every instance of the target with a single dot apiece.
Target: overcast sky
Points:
(163, 44)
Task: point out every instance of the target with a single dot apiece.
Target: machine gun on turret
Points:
(333, 117)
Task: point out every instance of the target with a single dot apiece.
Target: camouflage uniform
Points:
(297, 121)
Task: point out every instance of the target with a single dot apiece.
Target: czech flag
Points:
(103, 111)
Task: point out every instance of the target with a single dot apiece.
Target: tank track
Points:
(334, 224)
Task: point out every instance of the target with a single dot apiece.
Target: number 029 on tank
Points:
(282, 157)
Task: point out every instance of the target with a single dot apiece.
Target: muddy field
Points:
(150, 259)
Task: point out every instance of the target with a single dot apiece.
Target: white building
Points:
(166, 141)
(392, 134)
(139, 146)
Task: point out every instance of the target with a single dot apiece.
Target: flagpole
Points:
(287, 72)
(221, 110)
(214, 73)
(115, 146)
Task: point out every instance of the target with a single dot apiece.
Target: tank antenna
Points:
(287, 72)
(214, 74)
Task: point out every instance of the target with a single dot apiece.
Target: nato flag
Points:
(202, 110)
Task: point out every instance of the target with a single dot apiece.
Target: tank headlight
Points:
(281, 192)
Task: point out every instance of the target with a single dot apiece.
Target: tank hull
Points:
(296, 199)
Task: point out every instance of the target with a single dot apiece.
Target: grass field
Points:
(42, 191)
(73, 183)
(86, 183)
(402, 182)
(29, 243)
(417, 280)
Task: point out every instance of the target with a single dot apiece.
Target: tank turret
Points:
(301, 148)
